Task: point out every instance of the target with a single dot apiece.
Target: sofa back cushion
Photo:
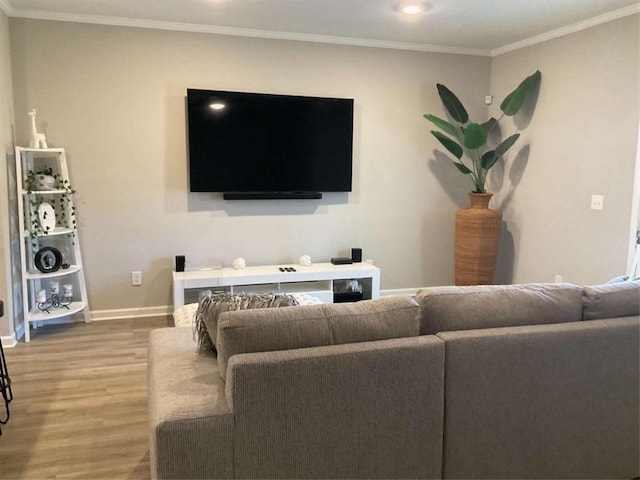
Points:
(264, 330)
(620, 299)
(259, 330)
(463, 308)
(390, 317)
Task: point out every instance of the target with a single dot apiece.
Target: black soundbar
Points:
(271, 195)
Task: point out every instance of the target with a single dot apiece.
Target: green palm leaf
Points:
(463, 168)
(452, 104)
(443, 125)
(474, 136)
(512, 103)
(489, 125)
(489, 159)
(506, 144)
(450, 145)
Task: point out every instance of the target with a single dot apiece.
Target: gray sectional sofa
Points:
(521, 381)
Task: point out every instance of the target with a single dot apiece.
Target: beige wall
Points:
(583, 141)
(6, 146)
(114, 98)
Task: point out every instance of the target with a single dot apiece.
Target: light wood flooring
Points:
(80, 402)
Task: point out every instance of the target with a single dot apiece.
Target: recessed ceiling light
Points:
(413, 7)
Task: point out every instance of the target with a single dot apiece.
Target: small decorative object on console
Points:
(354, 286)
(239, 263)
(305, 260)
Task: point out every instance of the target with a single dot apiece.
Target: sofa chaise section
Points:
(306, 392)
(191, 422)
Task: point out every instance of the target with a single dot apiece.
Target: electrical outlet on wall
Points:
(136, 278)
(597, 202)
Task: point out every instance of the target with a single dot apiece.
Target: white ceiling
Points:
(456, 26)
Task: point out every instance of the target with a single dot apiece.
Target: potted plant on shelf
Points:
(477, 229)
(39, 183)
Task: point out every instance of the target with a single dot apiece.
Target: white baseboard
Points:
(9, 342)
(97, 315)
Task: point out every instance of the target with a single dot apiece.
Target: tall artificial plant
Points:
(470, 138)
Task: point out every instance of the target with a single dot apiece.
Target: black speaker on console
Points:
(179, 263)
(356, 255)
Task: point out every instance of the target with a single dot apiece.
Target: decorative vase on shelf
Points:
(476, 241)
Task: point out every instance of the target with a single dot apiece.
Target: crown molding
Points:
(245, 32)
(569, 29)
(313, 38)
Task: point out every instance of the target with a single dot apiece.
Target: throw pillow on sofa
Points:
(621, 299)
(211, 306)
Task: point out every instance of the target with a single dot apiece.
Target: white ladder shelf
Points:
(50, 258)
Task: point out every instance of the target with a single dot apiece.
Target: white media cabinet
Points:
(318, 280)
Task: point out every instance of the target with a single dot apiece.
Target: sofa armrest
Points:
(360, 410)
(190, 421)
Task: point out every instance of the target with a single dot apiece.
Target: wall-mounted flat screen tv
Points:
(256, 145)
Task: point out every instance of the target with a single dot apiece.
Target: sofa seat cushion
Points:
(487, 306)
(252, 331)
(621, 299)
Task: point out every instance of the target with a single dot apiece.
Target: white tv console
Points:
(317, 279)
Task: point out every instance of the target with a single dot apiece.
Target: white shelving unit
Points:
(318, 279)
(35, 236)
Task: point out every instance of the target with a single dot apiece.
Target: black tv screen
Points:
(269, 145)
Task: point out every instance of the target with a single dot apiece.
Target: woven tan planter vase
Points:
(476, 241)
